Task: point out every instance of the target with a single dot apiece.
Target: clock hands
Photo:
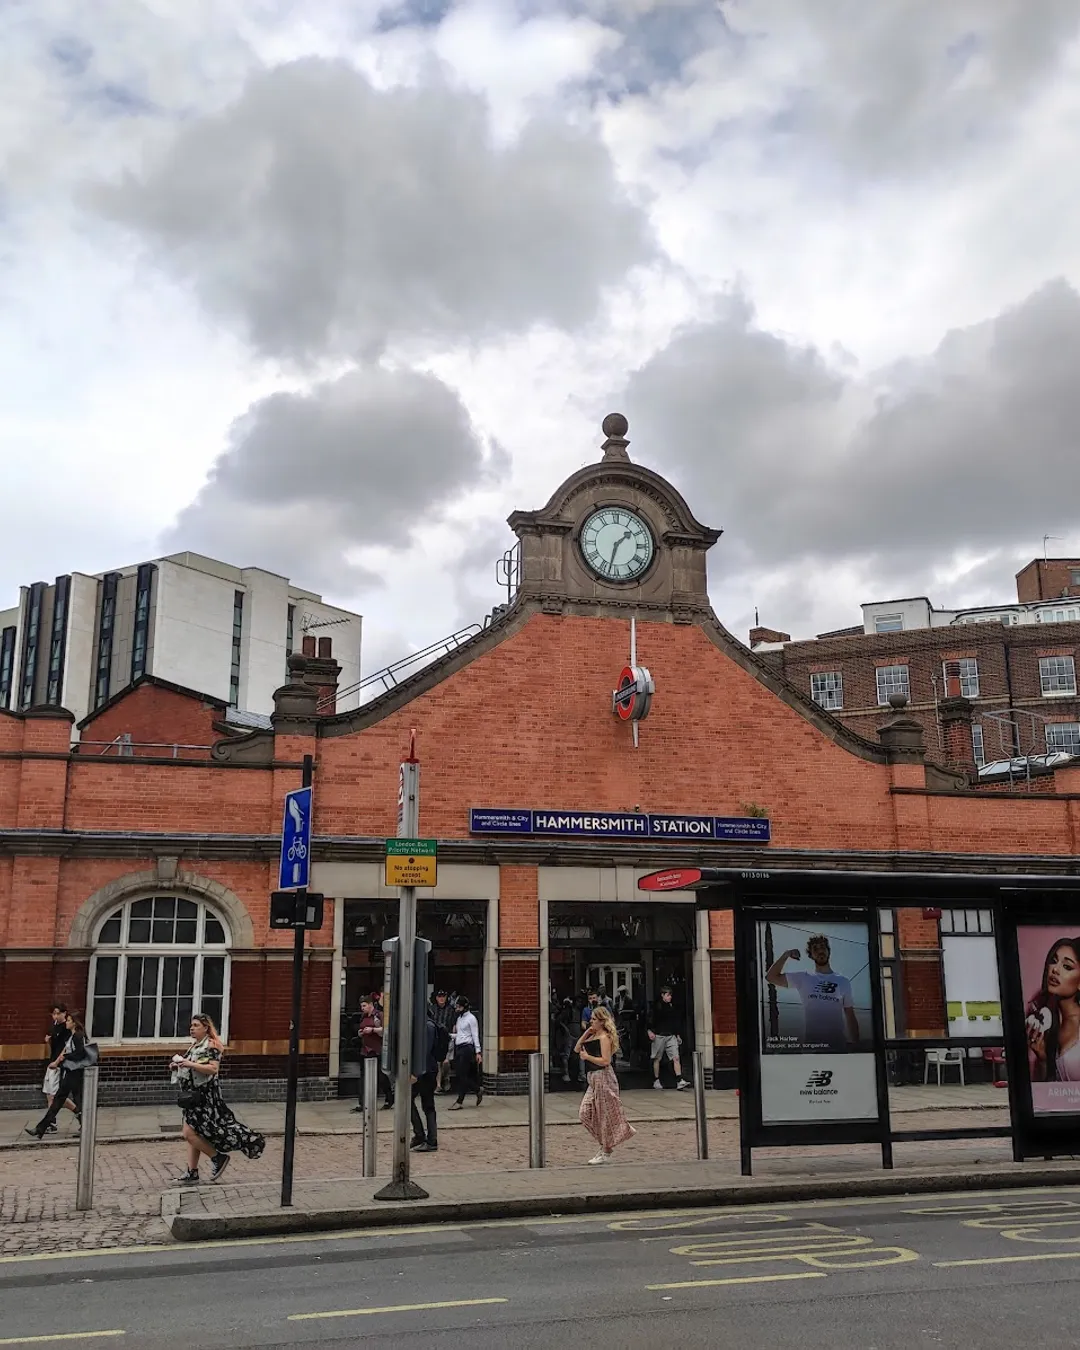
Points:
(618, 544)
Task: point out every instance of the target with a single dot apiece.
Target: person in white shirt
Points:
(467, 1055)
(829, 1021)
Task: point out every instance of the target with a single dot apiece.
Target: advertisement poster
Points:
(817, 1059)
(1050, 979)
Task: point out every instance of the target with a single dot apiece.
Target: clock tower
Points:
(615, 538)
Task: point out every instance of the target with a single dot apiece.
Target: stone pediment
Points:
(554, 566)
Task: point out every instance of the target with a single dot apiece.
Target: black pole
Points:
(293, 1080)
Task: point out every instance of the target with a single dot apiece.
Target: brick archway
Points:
(164, 879)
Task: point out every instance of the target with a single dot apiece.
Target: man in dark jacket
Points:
(426, 1141)
(665, 1032)
(444, 1015)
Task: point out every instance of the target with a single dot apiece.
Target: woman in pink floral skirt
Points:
(601, 1109)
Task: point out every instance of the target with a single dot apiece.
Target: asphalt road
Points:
(978, 1272)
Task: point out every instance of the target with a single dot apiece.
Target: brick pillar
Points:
(957, 715)
(722, 973)
(519, 977)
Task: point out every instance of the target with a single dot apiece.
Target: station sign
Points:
(411, 862)
(620, 825)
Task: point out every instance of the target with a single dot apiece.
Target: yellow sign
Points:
(411, 869)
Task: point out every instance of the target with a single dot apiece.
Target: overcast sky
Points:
(331, 286)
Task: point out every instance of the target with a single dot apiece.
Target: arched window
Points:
(156, 961)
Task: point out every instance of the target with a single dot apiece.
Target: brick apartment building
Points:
(1014, 664)
(137, 885)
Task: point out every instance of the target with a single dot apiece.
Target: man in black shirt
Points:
(57, 1038)
(423, 1086)
(665, 1032)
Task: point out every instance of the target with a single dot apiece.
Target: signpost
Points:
(407, 857)
(294, 871)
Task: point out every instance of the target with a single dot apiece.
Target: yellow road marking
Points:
(1012, 1260)
(399, 1308)
(741, 1279)
(60, 1336)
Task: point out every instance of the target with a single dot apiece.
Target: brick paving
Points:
(37, 1183)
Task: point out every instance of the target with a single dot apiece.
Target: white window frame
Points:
(1053, 726)
(124, 949)
(978, 745)
(1047, 676)
(885, 690)
(824, 696)
(969, 682)
(894, 623)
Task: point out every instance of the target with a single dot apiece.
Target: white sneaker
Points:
(657, 1085)
(681, 1084)
(600, 1157)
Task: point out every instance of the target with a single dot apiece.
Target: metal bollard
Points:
(84, 1184)
(699, 1105)
(536, 1110)
(371, 1114)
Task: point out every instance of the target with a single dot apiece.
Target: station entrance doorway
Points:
(457, 930)
(628, 953)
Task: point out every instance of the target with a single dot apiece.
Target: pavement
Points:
(137, 1123)
(972, 1271)
(481, 1169)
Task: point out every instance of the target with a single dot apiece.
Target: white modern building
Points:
(220, 630)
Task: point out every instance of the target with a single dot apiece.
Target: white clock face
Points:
(616, 544)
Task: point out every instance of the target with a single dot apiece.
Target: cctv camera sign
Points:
(817, 1056)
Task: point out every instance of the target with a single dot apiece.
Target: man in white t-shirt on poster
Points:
(829, 1021)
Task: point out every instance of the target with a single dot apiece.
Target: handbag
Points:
(192, 1097)
(89, 1059)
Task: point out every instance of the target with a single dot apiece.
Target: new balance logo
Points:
(820, 1078)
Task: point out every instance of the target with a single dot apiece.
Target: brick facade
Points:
(1008, 670)
(520, 716)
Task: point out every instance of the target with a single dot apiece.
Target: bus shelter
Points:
(813, 1039)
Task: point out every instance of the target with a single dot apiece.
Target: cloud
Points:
(309, 479)
(971, 449)
(326, 217)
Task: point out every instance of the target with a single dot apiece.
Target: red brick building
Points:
(137, 886)
(1015, 664)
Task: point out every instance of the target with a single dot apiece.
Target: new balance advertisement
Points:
(1050, 977)
(817, 1057)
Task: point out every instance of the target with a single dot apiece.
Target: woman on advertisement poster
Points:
(1053, 1017)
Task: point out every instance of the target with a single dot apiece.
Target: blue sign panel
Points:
(620, 825)
(295, 866)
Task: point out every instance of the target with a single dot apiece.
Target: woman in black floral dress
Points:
(210, 1128)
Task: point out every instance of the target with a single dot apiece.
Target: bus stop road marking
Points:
(60, 1336)
(399, 1308)
(1011, 1260)
(739, 1279)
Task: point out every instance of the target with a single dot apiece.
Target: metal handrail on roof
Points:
(390, 676)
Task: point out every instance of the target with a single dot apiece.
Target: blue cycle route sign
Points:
(295, 867)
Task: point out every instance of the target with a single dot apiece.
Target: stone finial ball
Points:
(615, 424)
(898, 701)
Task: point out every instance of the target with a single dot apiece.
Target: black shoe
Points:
(419, 1144)
(34, 1132)
(190, 1177)
(218, 1164)
(388, 1106)
(358, 1110)
(428, 1148)
(480, 1096)
(52, 1129)
(457, 1106)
